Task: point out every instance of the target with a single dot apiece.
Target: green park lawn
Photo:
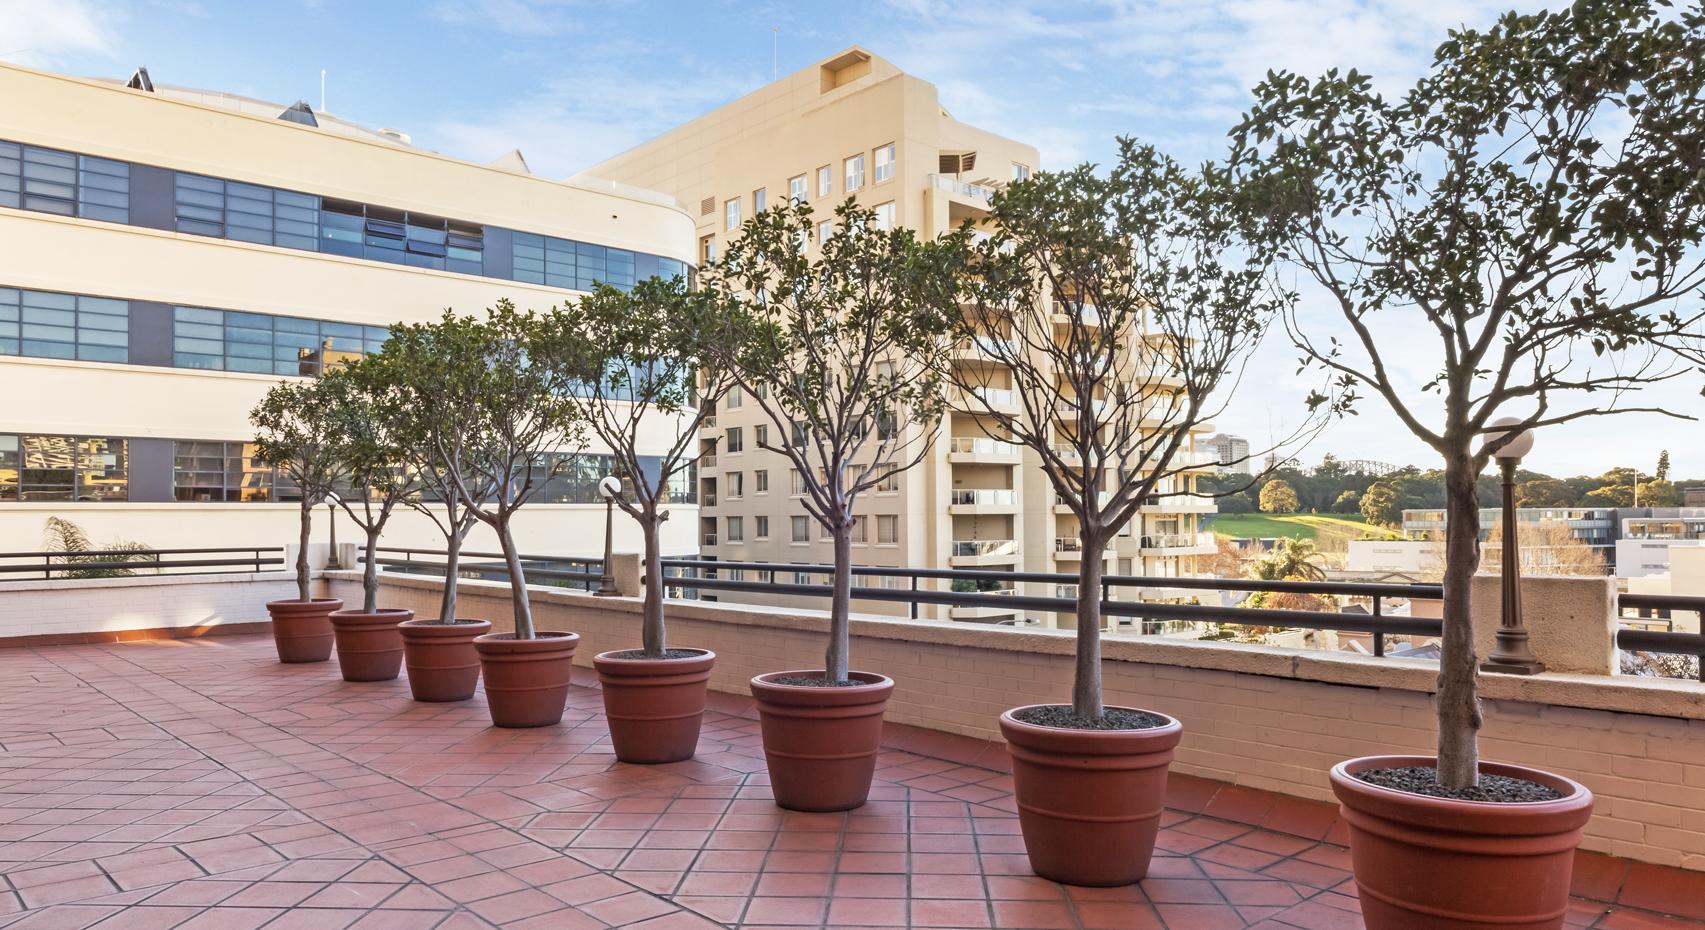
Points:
(1295, 525)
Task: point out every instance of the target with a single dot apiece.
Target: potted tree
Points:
(510, 412)
(369, 645)
(295, 433)
(1528, 203)
(840, 352)
(1108, 311)
(438, 652)
(637, 354)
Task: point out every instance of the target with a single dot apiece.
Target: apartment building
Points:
(173, 253)
(854, 125)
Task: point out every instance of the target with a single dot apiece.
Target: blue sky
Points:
(570, 82)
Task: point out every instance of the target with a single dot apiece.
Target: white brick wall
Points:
(108, 605)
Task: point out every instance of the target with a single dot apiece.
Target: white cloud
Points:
(515, 17)
(39, 33)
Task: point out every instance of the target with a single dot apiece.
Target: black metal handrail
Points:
(50, 564)
(582, 572)
(1661, 606)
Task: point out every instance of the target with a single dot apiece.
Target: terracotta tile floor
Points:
(200, 784)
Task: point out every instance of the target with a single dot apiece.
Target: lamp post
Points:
(1511, 655)
(333, 563)
(609, 487)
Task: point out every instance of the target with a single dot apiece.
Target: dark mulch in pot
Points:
(1498, 789)
(667, 654)
(814, 681)
(1113, 718)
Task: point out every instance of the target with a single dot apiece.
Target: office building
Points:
(171, 254)
(854, 125)
(1230, 452)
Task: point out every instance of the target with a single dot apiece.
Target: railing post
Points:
(1378, 634)
(914, 597)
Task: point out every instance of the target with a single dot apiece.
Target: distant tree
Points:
(1226, 562)
(1610, 495)
(1546, 548)
(1290, 560)
(1381, 506)
(377, 475)
(1277, 496)
(296, 432)
(1545, 492)
(1536, 201)
(1659, 494)
(1348, 502)
(1662, 473)
(73, 547)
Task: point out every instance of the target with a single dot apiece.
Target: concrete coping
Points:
(1617, 693)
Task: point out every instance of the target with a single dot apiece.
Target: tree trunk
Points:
(523, 609)
(370, 574)
(452, 566)
(1086, 683)
(1458, 697)
(840, 607)
(652, 632)
(302, 549)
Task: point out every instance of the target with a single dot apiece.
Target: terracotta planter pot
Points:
(654, 706)
(369, 645)
(302, 630)
(442, 662)
(526, 680)
(821, 743)
(1089, 801)
(1438, 864)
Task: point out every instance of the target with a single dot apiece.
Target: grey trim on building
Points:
(150, 463)
(152, 202)
(150, 333)
(499, 253)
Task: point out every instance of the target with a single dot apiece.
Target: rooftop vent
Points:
(299, 112)
(513, 160)
(957, 163)
(396, 135)
(707, 206)
(140, 80)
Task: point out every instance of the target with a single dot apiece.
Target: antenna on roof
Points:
(775, 53)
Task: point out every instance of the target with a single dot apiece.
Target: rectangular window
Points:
(801, 528)
(887, 529)
(736, 529)
(825, 181)
(735, 442)
(855, 172)
(825, 229)
(761, 527)
(885, 215)
(219, 471)
(63, 468)
(734, 398)
(890, 482)
(798, 485)
(1020, 172)
(760, 199)
(796, 189)
(46, 324)
(731, 214)
(736, 484)
(761, 435)
(860, 529)
(258, 343)
(8, 468)
(103, 189)
(707, 250)
(884, 163)
(761, 481)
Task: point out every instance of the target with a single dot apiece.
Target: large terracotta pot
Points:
(369, 646)
(1425, 863)
(302, 630)
(1089, 801)
(526, 680)
(442, 662)
(654, 706)
(821, 743)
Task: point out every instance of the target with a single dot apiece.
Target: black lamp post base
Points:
(1531, 667)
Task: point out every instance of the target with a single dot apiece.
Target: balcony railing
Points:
(709, 539)
(1171, 541)
(107, 563)
(985, 547)
(982, 446)
(707, 461)
(962, 188)
(990, 497)
(709, 499)
(988, 345)
(998, 398)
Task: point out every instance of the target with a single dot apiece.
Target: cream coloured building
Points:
(171, 254)
(855, 125)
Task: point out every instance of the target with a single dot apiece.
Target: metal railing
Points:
(108, 563)
(992, 497)
(1171, 541)
(963, 188)
(1648, 607)
(564, 571)
(982, 445)
(993, 397)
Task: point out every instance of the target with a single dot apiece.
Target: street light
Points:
(609, 488)
(1511, 655)
(333, 563)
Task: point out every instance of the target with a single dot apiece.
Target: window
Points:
(761, 527)
(805, 578)
(731, 214)
(825, 181)
(63, 468)
(801, 529)
(855, 172)
(761, 481)
(227, 340)
(736, 484)
(885, 215)
(251, 213)
(707, 250)
(889, 483)
(736, 529)
(736, 441)
(887, 529)
(760, 198)
(734, 399)
(576, 265)
(884, 163)
(1020, 172)
(45, 324)
(49, 181)
(796, 189)
(860, 529)
(219, 471)
(798, 486)
(825, 229)
(761, 434)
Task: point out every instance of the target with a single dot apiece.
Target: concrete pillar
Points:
(627, 569)
(1571, 621)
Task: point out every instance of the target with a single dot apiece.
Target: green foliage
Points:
(296, 431)
(63, 536)
(1290, 560)
(1277, 496)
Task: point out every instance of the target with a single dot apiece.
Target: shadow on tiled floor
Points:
(198, 783)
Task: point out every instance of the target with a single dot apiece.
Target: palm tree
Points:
(1290, 560)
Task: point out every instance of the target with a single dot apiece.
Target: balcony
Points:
(1178, 503)
(983, 501)
(707, 461)
(978, 400)
(982, 450)
(1177, 544)
(977, 194)
(983, 348)
(1070, 547)
(708, 539)
(984, 613)
(971, 552)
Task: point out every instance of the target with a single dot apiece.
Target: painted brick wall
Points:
(109, 605)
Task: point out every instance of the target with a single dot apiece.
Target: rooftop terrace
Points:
(199, 783)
